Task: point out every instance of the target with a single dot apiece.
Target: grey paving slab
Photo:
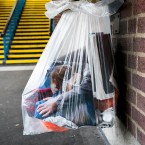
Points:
(12, 84)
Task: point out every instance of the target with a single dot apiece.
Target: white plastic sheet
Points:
(72, 84)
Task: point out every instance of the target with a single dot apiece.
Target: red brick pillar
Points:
(130, 59)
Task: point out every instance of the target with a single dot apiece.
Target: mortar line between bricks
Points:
(129, 101)
(124, 36)
(135, 71)
(137, 90)
(127, 26)
(140, 54)
(142, 15)
(139, 35)
(137, 63)
(134, 35)
(129, 53)
(138, 73)
(136, 31)
(136, 124)
(133, 3)
(139, 110)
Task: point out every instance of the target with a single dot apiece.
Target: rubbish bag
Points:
(73, 83)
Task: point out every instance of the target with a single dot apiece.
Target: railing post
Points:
(52, 26)
(5, 49)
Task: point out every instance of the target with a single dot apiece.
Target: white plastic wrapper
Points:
(72, 84)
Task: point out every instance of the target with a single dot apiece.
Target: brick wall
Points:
(129, 48)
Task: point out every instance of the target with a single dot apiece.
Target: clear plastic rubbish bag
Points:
(73, 82)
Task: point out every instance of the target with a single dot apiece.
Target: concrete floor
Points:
(12, 84)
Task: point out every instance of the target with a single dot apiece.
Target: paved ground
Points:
(12, 84)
